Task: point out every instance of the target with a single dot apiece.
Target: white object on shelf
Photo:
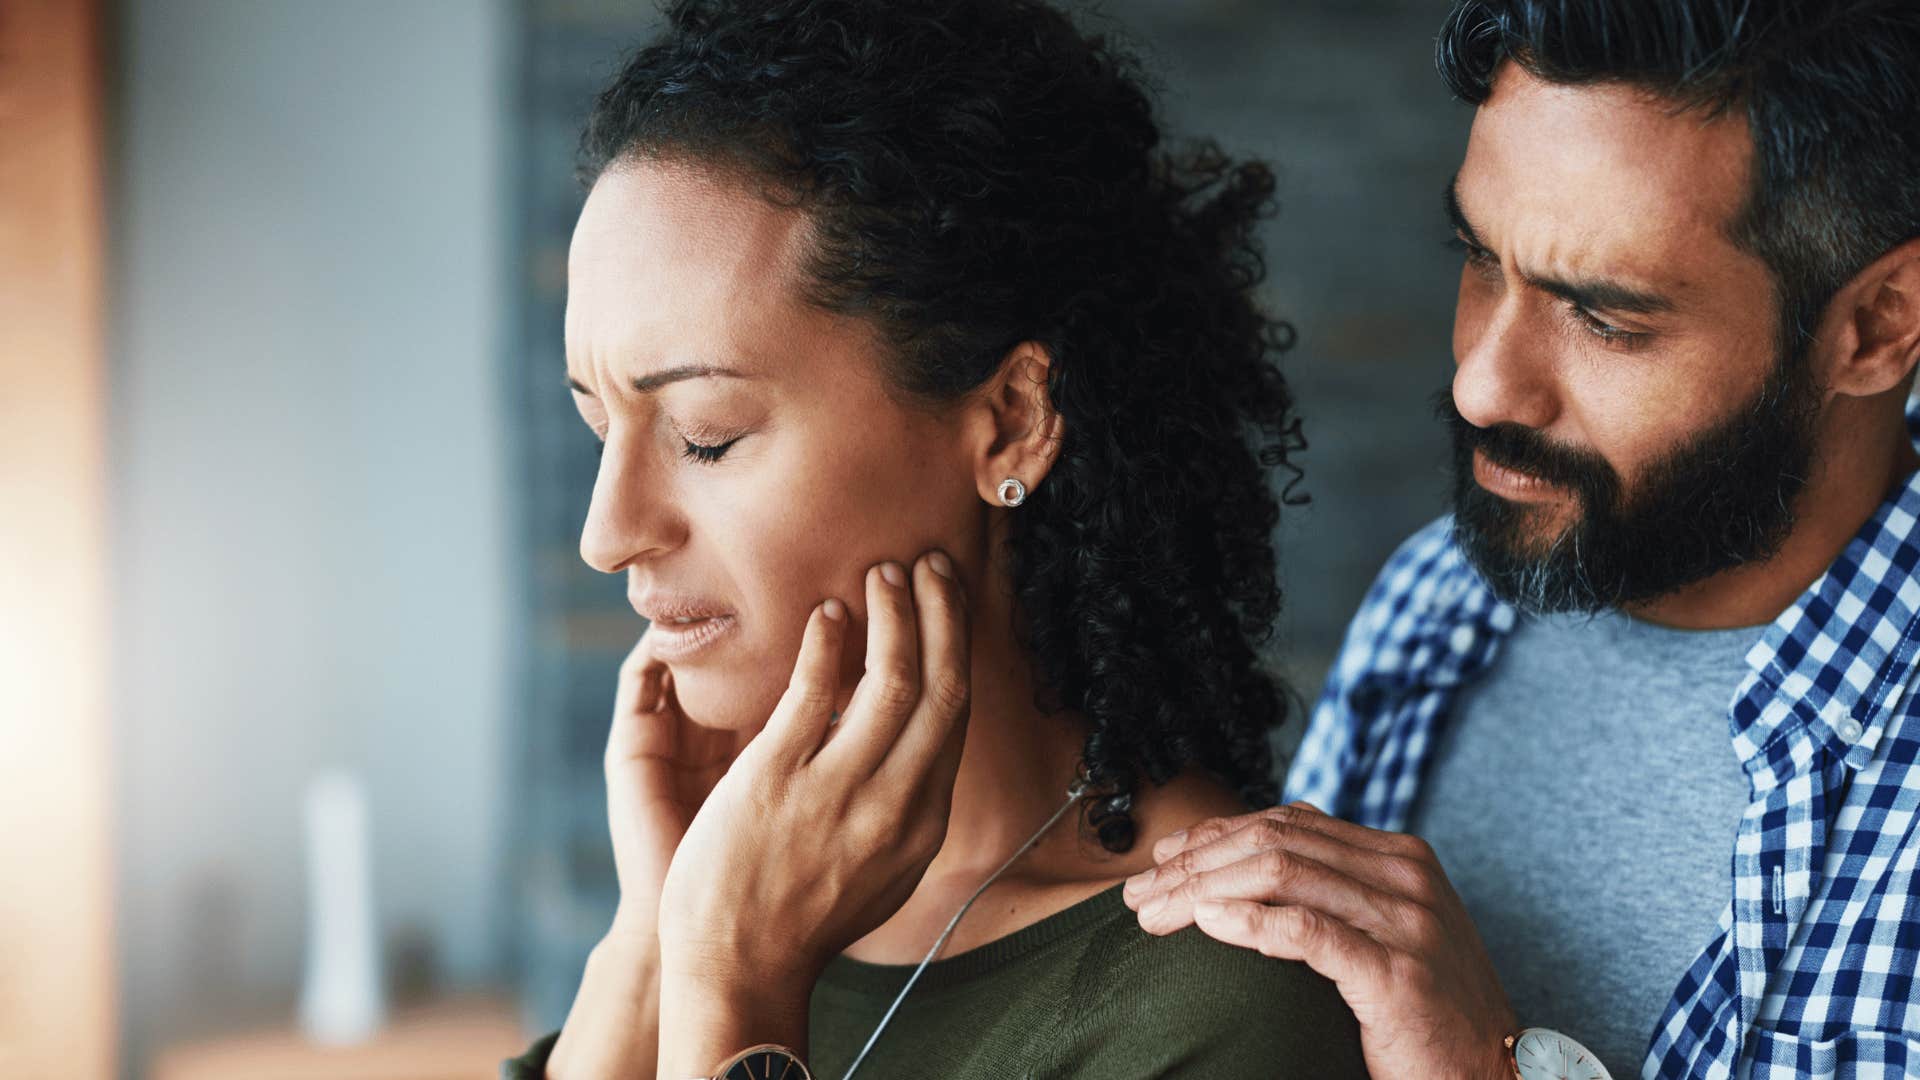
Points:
(343, 997)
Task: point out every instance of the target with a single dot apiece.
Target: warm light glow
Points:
(56, 966)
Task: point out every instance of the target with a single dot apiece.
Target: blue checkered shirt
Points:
(1812, 969)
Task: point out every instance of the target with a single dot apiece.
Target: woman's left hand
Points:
(819, 831)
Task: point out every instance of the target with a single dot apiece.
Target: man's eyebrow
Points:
(1594, 295)
(1604, 296)
(647, 384)
(1458, 216)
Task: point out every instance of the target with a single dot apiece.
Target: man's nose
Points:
(1503, 368)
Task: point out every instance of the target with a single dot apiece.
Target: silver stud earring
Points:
(1012, 492)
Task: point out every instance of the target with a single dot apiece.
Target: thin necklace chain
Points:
(1073, 795)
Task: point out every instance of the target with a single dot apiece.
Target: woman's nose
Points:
(631, 516)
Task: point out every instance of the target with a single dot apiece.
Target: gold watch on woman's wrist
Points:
(768, 1061)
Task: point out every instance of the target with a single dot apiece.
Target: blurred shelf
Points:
(454, 1039)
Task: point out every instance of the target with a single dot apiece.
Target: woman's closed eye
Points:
(692, 451)
(706, 454)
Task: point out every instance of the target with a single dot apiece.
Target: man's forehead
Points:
(1569, 177)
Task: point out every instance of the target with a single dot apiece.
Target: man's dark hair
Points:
(1830, 89)
(981, 173)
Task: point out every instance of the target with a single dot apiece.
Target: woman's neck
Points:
(1015, 769)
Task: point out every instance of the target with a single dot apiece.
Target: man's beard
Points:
(1721, 499)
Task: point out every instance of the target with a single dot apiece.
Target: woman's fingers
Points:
(799, 722)
(934, 735)
(890, 687)
(636, 697)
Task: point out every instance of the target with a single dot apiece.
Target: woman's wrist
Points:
(708, 1016)
(614, 1025)
(635, 930)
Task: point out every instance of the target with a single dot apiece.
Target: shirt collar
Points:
(1838, 659)
(1836, 662)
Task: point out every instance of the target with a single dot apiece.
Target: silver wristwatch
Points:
(1544, 1054)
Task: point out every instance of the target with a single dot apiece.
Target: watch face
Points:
(1549, 1055)
(765, 1065)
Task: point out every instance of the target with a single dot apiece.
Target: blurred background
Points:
(291, 488)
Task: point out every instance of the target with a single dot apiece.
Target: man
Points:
(1647, 698)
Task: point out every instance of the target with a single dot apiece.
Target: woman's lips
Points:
(679, 641)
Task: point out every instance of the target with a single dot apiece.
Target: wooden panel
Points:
(447, 1040)
(56, 959)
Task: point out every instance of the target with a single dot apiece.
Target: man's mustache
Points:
(1522, 449)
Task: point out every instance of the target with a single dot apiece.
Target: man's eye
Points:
(1477, 257)
(1605, 331)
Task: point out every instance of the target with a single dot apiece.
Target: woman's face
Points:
(754, 464)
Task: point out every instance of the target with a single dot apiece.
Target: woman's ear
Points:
(1022, 427)
(1875, 321)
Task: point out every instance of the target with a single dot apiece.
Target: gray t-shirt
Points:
(1583, 800)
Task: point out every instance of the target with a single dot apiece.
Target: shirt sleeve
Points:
(1321, 766)
(531, 1065)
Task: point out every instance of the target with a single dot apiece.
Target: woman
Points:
(937, 422)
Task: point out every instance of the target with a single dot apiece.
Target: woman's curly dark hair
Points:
(979, 173)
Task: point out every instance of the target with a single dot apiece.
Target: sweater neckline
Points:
(861, 976)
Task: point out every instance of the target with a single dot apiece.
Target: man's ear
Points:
(1023, 428)
(1873, 325)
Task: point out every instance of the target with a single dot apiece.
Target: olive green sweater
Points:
(1081, 993)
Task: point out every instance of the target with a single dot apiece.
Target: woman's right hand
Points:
(660, 767)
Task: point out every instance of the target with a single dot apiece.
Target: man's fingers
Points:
(1275, 876)
(936, 731)
(1194, 836)
(799, 722)
(890, 687)
(1299, 815)
(1343, 954)
(1257, 833)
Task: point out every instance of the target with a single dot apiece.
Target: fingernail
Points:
(1172, 840)
(1153, 907)
(938, 560)
(834, 609)
(894, 575)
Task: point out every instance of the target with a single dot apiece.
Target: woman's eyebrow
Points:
(647, 384)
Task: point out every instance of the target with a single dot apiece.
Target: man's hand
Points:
(1370, 910)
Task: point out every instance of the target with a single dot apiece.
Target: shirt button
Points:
(1850, 730)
